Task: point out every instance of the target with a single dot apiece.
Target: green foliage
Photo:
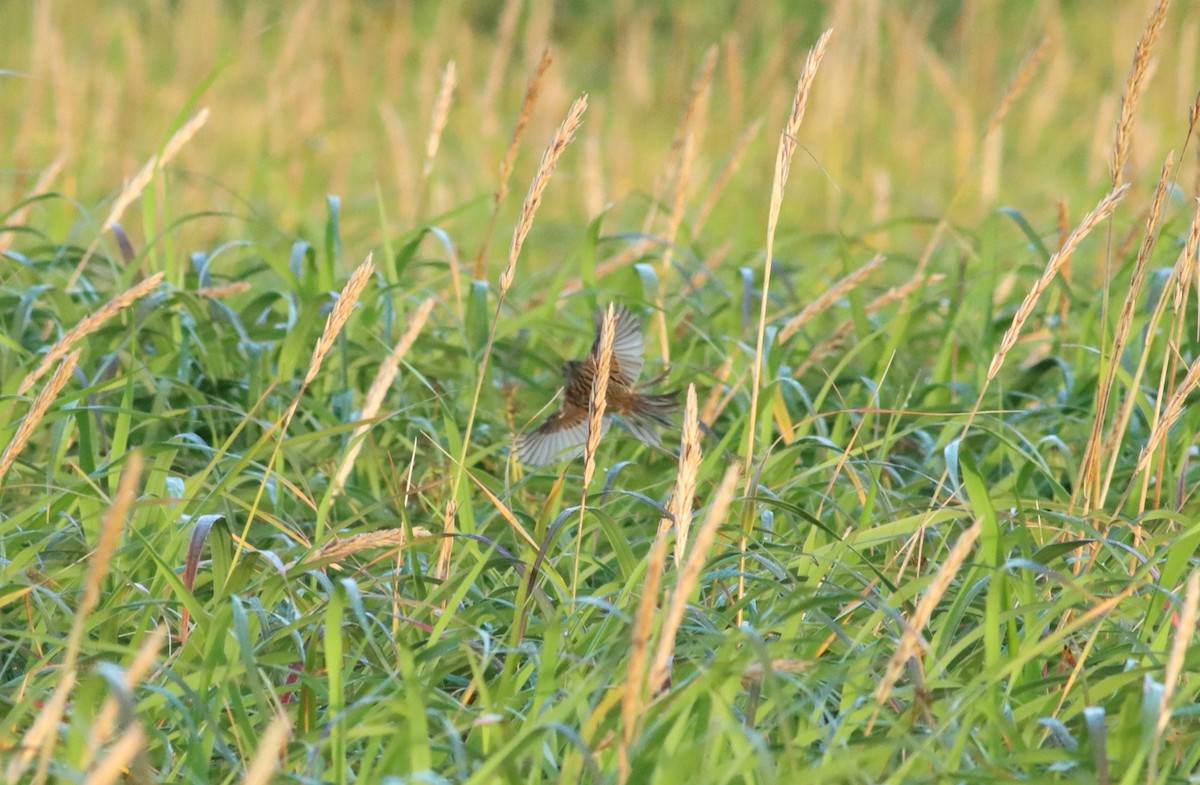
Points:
(1045, 657)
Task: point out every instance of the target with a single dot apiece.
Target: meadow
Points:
(280, 283)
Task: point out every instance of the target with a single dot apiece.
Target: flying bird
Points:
(564, 434)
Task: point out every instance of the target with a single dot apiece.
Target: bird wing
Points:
(627, 345)
(562, 437)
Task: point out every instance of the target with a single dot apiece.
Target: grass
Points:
(272, 312)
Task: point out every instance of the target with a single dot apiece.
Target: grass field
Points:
(280, 283)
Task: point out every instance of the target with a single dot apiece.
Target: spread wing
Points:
(560, 438)
(627, 345)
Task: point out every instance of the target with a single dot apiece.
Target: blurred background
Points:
(315, 98)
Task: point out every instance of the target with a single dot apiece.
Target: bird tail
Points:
(650, 411)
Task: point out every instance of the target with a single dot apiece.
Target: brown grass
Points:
(783, 163)
(135, 187)
(1184, 631)
(679, 507)
(41, 404)
(379, 388)
(828, 298)
(633, 694)
(269, 750)
(40, 739)
(912, 643)
(339, 549)
(532, 90)
(1089, 222)
(1089, 473)
(87, 326)
(18, 216)
(1135, 86)
(533, 199)
(689, 576)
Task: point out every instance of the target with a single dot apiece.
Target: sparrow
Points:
(564, 434)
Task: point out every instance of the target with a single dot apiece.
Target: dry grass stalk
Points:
(532, 91)
(783, 163)
(843, 330)
(437, 122)
(1171, 414)
(597, 403)
(710, 411)
(680, 504)
(1182, 276)
(911, 641)
(225, 290)
(115, 765)
(449, 527)
(533, 199)
(1135, 85)
(39, 739)
(135, 187)
(41, 404)
(1064, 230)
(143, 662)
(18, 216)
(88, 325)
(829, 297)
(599, 397)
(379, 388)
(633, 695)
(660, 670)
(718, 187)
(1179, 649)
(179, 140)
(505, 33)
(339, 316)
(1089, 477)
(1089, 222)
(270, 748)
(339, 549)
(1018, 85)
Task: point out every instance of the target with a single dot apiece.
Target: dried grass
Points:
(839, 334)
(39, 740)
(689, 577)
(1089, 222)
(90, 324)
(783, 163)
(41, 404)
(633, 694)
(1089, 473)
(829, 297)
(1135, 86)
(269, 749)
(339, 549)
(679, 507)
(135, 187)
(532, 90)
(912, 643)
(731, 167)
(533, 199)
(379, 388)
(18, 216)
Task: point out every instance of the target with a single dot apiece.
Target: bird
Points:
(563, 435)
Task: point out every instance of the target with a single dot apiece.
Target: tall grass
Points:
(930, 514)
